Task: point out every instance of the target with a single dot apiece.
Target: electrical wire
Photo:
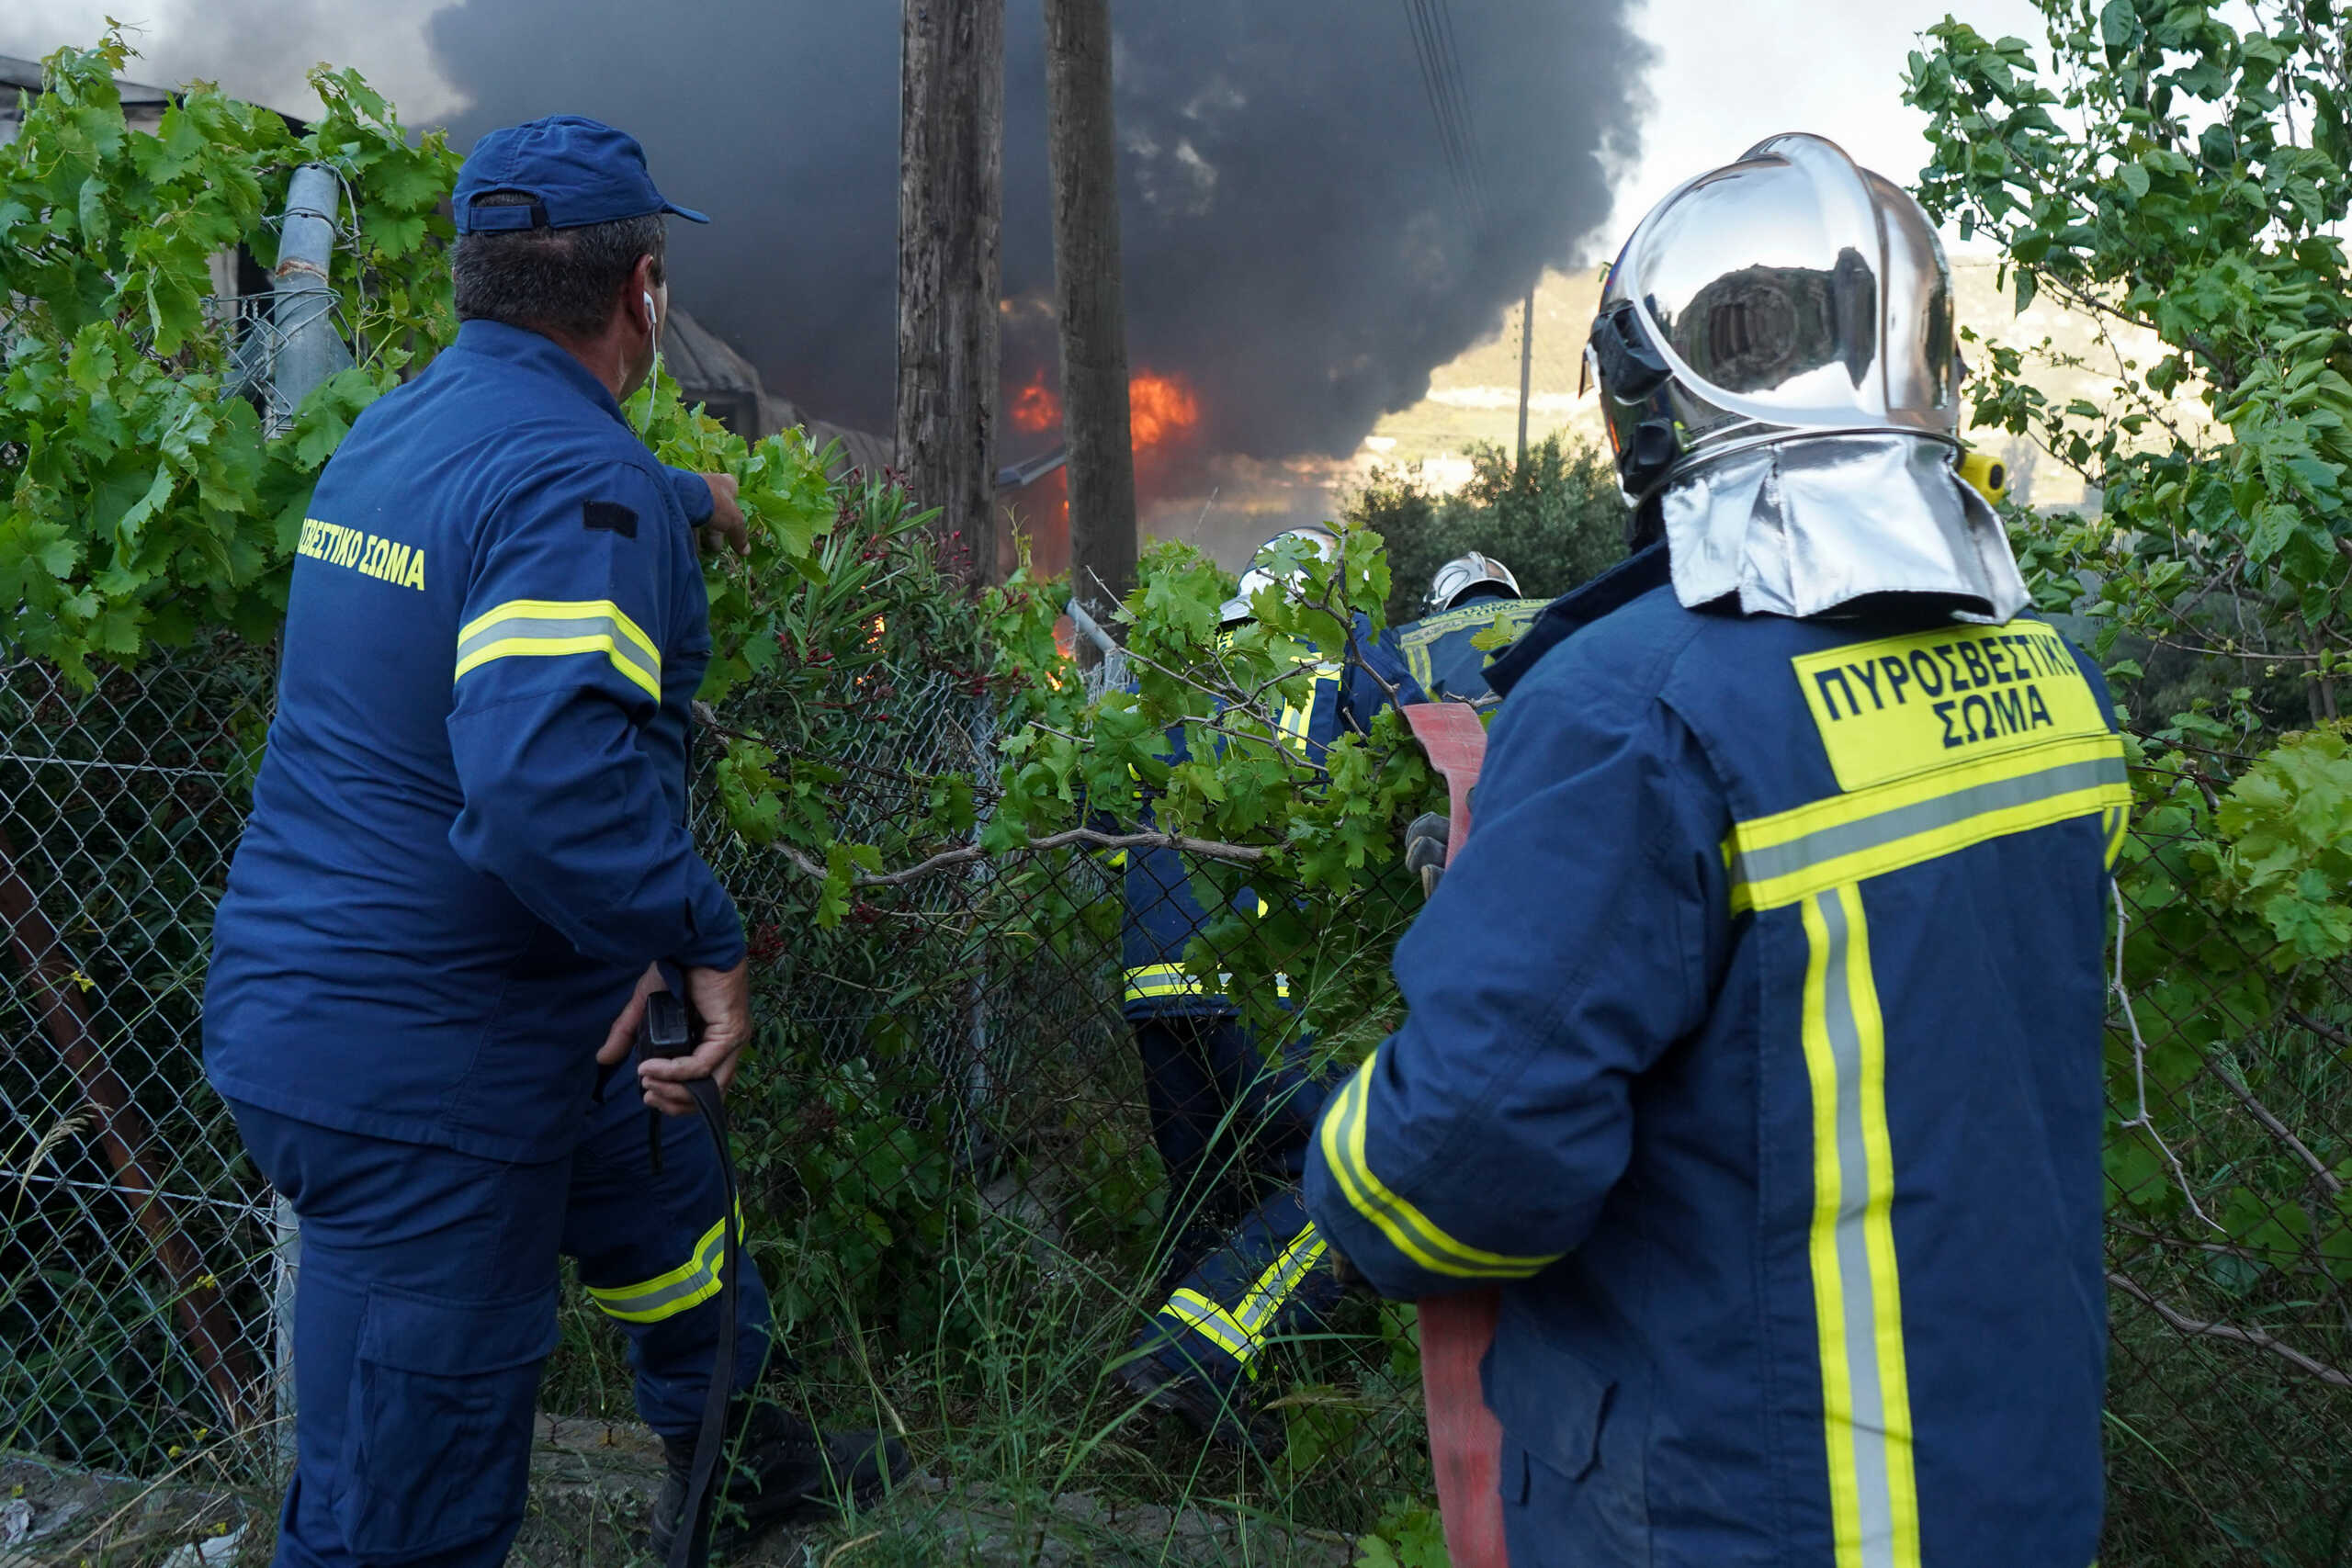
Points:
(1437, 51)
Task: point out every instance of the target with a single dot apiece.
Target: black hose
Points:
(667, 1031)
(688, 1547)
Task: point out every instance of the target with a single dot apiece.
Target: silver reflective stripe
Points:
(1275, 1287)
(1204, 1316)
(535, 628)
(654, 1301)
(709, 1263)
(1753, 865)
(1869, 1434)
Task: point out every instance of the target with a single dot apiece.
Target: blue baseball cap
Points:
(575, 169)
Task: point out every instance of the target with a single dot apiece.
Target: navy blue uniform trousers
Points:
(426, 1307)
(1233, 1129)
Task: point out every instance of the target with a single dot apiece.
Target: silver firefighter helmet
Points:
(1456, 578)
(1792, 293)
(1262, 573)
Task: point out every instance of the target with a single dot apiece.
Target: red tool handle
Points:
(1465, 1440)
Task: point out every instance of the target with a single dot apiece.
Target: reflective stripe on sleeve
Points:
(1410, 1231)
(1790, 856)
(1857, 1307)
(526, 628)
(666, 1295)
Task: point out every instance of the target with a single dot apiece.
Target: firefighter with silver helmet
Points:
(1468, 598)
(1753, 1036)
(1230, 1119)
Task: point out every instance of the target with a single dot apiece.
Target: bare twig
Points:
(947, 860)
(2326, 1032)
(2280, 1130)
(2141, 1121)
(2196, 1328)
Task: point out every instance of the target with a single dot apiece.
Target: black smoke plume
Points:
(1301, 245)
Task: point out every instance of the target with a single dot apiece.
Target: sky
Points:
(1728, 73)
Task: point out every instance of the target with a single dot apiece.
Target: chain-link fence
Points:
(949, 1158)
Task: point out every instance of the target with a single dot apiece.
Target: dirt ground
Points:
(593, 1484)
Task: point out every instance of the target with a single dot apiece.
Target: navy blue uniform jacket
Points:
(468, 833)
(1161, 916)
(1753, 1048)
(1438, 654)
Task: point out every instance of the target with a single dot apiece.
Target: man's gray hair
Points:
(550, 280)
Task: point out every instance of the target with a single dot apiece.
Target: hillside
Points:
(1475, 397)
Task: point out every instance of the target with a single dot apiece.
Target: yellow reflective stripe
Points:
(1161, 980)
(1791, 855)
(2117, 819)
(1296, 720)
(1194, 1310)
(1858, 1307)
(524, 628)
(1241, 1333)
(1411, 1232)
(688, 1285)
(1174, 980)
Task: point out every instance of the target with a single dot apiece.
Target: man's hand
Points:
(725, 523)
(722, 1000)
(623, 1033)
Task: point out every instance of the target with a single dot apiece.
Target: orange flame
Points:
(1035, 406)
(1159, 407)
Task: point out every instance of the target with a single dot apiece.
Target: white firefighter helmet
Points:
(1261, 572)
(1458, 577)
(1791, 294)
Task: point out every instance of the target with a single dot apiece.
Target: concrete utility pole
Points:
(1526, 364)
(951, 204)
(1088, 296)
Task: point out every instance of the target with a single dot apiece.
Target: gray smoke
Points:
(1297, 244)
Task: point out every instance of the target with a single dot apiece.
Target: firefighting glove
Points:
(1425, 846)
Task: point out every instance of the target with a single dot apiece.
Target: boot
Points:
(784, 1470)
(1167, 1380)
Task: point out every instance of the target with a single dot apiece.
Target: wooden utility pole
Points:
(1088, 296)
(951, 204)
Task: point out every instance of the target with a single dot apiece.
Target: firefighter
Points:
(467, 866)
(1231, 1125)
(1468, 596)
(1753, 1039)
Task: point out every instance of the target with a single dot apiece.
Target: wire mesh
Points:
(949, 1160)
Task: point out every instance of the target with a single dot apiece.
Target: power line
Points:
(1441, 107)
(1449, 54)
(1432, 26)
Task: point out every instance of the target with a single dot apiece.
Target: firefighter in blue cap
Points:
(467, 867)
(1753, 1038)
(1232, 1118)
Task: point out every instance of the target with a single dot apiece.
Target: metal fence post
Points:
(309, 350)
(303, 311)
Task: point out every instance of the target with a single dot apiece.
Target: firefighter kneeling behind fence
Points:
(1753, 1041)
(467, 855)
(1231, 1120)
